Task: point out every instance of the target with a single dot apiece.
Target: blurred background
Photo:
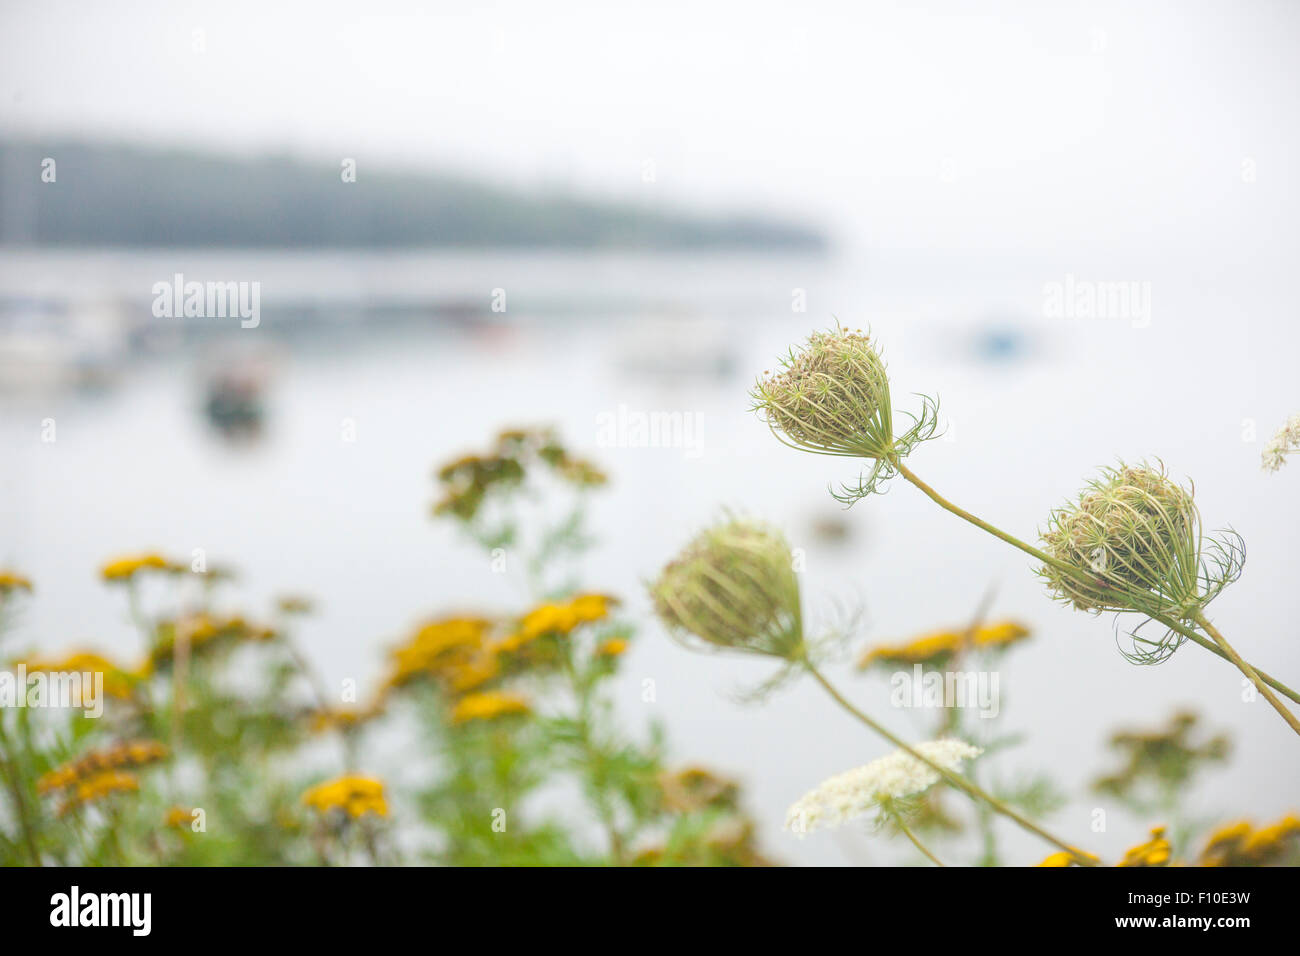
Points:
(463, 217)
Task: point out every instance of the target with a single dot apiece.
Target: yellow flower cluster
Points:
(937, 646)
(451, 650)
(204, 631)
(1240, 844)
(341, 718)
(97, 786)
(468, 481)
(1068, 859)
(472, 655)
(131, 753)
(178, 818)
(354, 795)
(697, 788)
(11, 581)
(487, 706)
(117, 681)
(126, 568)
(1155, 852)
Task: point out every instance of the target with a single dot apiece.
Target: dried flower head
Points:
(734, 587)
(854, 793)
(1285, 442)
(832, 397)
(1134, 542)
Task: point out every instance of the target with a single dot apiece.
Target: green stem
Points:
(1249, 671)
(1070, 569)
(14, 780)
(898, 820)
(961, 783)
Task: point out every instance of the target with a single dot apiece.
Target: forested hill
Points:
(126, 196)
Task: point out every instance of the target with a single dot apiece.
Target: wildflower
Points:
(178, 818)
(469, 481)
(548, 619)
(832, 397)
(126, 568)
(1164, 759)
(203, 631)
(11, 581)
(1063, 858)
(98, 786)
(1240, 844)
(734, 587)
(127, 754)
(294, 604)
(354, 795)
(118, 682)
(1155, 852)
(853, 793)
(1284, 443)
(937, 647)
(591, 607)
(341, 718)
(1133, 542)
(697, 788)
(999, 635)
(612, 648)
(487, 706)
(446, 649)
(933, 648)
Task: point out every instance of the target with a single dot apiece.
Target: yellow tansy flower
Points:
(117, 681)
(614, 647)
(548, 619)
(355, 795)
(13, 581)
(486, 706)
(125, 568)
(1155, 852)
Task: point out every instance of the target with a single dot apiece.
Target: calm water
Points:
(1034, 404)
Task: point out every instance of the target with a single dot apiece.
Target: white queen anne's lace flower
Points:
(1286, 441)
(856, 792)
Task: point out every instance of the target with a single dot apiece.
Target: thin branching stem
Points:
(1249, 671)
(956, 780)
(907, 832)
(1215, 646)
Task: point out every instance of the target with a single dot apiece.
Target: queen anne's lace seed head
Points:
(1285, 442)
(831, 396)
(863, 790)
(1133, 541)
(734, 587)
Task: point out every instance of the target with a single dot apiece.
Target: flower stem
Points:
(9, 766)
(898, 821)
(1249, 671)
(961, 783)
(1215, 646)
